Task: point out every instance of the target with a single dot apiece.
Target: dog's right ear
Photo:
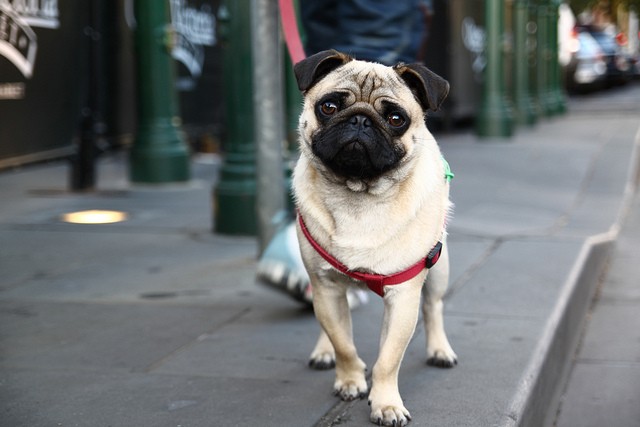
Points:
(311, 70)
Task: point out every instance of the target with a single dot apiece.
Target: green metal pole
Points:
(557, 95)
(545, 100)
(495, 115)
(293, 99)
(525, 109)
(235, 194)
(533, 48)
(159, 153)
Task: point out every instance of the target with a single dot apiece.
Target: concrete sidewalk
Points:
(604, 385)
(158, 322)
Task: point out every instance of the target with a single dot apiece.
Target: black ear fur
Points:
(312, 69)
(429, 88)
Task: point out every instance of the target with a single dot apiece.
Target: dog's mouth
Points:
(354, 152)
(357, 154)
(357, 159)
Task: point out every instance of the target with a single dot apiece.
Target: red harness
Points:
(375, 282)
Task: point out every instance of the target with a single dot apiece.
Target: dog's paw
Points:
(442, 358)
(387, 408)
(351, 383)
(389, 415)
(351, 389)
(322, 361)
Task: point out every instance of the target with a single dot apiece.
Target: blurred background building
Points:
(77, 77)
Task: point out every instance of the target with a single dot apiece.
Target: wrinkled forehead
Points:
(366, 81)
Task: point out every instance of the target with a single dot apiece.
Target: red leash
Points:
(290, 30)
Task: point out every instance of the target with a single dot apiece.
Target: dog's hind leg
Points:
(439, 351)
(323, 356)
(332, 311)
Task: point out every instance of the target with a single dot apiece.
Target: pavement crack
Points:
(583, 190)
(471, 271)
(155, 365)
(337, 415)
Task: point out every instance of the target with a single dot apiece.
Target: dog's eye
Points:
(396, 120)
(328, 108)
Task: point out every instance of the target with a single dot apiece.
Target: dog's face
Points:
(362, 120)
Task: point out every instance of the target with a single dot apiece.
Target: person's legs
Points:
(320, 23)
(374, 30)
(380, 31)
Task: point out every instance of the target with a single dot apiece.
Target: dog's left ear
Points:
(429, 88)
(310, 70)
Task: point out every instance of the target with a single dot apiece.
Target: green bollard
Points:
(545, 97)
(235, 194)
(159, 153)
(294, 102)
(523, 103)
(293, 110)
(558, 99)
(532, 55)
(495, 115)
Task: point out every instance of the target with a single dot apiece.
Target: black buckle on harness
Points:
(434, 255)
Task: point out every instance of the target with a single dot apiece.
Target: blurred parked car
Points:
(630, 47)
(587, 67)
(619, 66)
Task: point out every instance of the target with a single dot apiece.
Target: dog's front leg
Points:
(332, 311)
(401, 307)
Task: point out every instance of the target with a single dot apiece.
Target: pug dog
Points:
(372, 195)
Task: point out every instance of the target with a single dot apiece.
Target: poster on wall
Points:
(40, 59)
(198, 57)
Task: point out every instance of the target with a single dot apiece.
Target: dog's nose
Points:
(360, 121)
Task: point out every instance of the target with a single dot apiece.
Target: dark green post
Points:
(294, 101)
(558, 101)
(532, 52)
(293, 110)
(159, 153)
(545, 99)
(495, 116)
(524, 106)
(235, 194)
